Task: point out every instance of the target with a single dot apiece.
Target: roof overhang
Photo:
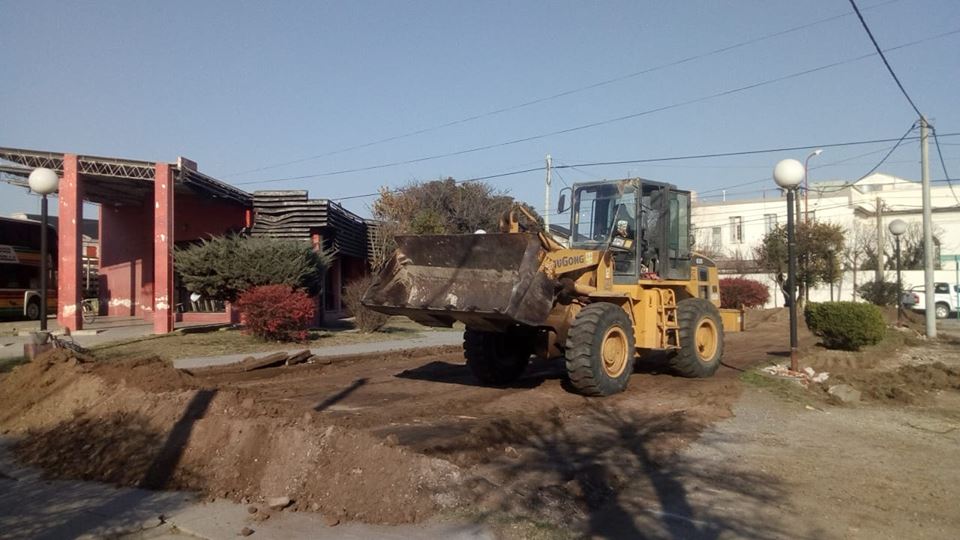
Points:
(117, 181)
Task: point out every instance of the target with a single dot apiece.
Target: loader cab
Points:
(645, 224)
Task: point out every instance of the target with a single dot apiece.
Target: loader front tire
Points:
(600, 350)
(701, 339)
(496, 358)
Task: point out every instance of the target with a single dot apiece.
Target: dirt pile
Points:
(908, 384)
(140, 423)
(386, 438)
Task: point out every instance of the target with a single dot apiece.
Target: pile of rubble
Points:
(282, 358)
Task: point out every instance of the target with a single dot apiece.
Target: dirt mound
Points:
(759, 317)
(386, 438)
(908, 384)
(151, 373)
(142, 423)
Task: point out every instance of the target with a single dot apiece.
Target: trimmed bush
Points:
(276, 312)
(880, 293)
(223, 267)
(845, 325)
(366, 319)
(739, 293)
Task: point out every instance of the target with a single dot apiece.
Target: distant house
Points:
(731, 230)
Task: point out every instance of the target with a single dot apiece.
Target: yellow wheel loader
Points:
(628, 284)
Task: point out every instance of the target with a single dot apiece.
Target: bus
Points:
(20, 269)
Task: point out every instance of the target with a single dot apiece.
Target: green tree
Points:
(819, 246)
(222, 267)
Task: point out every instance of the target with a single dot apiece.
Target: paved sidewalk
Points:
(423, 340)
(31, 507)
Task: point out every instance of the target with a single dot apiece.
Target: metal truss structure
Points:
(114, 180)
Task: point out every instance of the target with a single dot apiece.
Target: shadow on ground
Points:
(122, 449)
(611, 474)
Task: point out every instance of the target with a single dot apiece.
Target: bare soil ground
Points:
(406, 436)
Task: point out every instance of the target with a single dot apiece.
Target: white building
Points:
(734, 228)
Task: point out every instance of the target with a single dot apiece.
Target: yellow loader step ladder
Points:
(667, 320)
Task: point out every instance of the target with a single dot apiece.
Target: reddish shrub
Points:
(740, 292)
(276, 312)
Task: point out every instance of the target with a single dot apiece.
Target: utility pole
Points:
(929, 312)
(546, 198)
(878, 278)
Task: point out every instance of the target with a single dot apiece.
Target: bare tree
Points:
(858, 241)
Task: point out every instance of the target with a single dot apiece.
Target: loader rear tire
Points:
(496, 358)
(600, 350)
(701, 339)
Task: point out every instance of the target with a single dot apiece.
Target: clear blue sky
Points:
(244, 85)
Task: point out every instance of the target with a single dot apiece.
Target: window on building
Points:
(736, 229)
(770, 220)
(811, 215)
(716, 237)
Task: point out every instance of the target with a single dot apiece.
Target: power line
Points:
(884, 58)
(474, 179)
(741, 153)
(879, 163)
(594, 124)
(564, 93)
(944, 165)
(578, 166)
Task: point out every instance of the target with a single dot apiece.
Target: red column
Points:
(70, 242)
(163, 250)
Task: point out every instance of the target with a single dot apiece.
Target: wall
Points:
(196, 217)
(126, 246)
(845, 290)
(126, 260)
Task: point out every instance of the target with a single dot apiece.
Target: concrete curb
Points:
(423, 341)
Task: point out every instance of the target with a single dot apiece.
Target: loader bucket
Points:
(487, 281)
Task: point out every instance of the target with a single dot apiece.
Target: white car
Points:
(945, 300)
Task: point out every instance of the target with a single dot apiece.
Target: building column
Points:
(337, 285)
(318, 301)
(69, 245)
(163, 249)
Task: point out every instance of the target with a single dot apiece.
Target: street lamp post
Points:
(897, 227)
(806, 187)
(44, 182)
(788, 174)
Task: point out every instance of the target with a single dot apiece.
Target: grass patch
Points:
(234, 341)
(508, 525)
(781, 387)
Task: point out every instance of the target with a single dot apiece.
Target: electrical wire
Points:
(943, 164)
(875, 167)
(765, 211)
(564, 93)
(474, 179)
(741, 153)
(597, 123)
(884, 58)
(578, 166)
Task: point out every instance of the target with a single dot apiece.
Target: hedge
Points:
(845, 325)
